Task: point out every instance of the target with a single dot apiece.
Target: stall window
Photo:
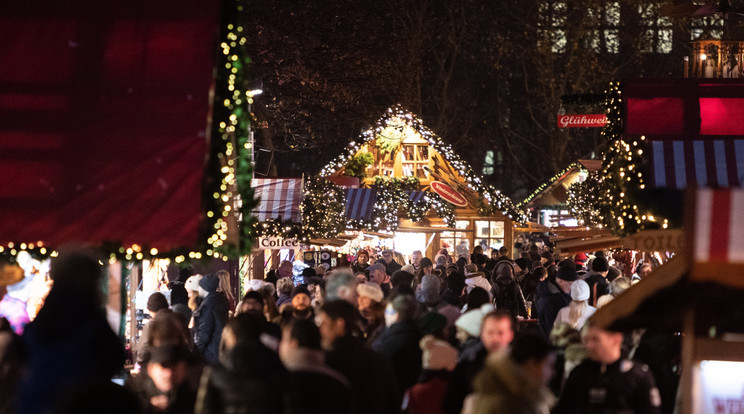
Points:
(415, 159)
(456, 242)
(489, 234)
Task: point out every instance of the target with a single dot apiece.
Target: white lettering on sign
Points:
(656, 241)
(277, 243)
(582, 121)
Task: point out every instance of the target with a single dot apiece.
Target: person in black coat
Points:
(373, 383)
(552, 295)
(506, 291)
(70, 345)
(249, 378)
(399, 342)
(314, 388)
(210, 318)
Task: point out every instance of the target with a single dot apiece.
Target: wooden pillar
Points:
(134, 278)
(688, 386)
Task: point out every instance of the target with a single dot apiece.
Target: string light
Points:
(606, 197)
(491, 200)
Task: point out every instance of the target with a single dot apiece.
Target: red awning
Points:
(103, 119)
(280, 197)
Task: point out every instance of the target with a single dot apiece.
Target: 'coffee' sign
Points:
(582, 121)
(449, 194)
(277, 243)
(656, 241)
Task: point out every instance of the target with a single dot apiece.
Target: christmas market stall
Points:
(109, 141)
(412, 183)
(697, 293)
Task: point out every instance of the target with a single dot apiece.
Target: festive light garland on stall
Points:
(323, 209)
(607, 198)
(495, 200)
(546, 184)
(229, 162)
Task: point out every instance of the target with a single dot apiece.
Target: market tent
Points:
(104, 120)
(707, 277)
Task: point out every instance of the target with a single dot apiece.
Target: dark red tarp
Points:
(103, 120)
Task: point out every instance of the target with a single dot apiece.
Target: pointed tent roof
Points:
(490, 196)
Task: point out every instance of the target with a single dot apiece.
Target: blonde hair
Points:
(575, 310)
(225, 287)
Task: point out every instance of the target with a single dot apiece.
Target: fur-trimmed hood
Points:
(502, 387)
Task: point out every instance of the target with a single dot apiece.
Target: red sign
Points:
(449, 194)
(582, 121)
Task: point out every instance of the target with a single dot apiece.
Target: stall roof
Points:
(104, 120)
(707, 277)
(279, 197)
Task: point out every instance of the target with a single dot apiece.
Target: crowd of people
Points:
(471, 334)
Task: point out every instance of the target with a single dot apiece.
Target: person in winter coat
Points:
(249, 377)
(399, 342)
(514, 381)
(553, 295)
(607, 383)
(284, 288)
(474, 278)
(210, 318)
(478, 258)
(496, 333)
(314, 388)
(70, 345)
(506, 290)
(428, 295)
(439, 358)
(168, 381)
(373, 383)
(578, 311)
(371, 306)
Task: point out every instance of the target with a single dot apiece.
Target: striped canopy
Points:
(697, 163)
(278, 197)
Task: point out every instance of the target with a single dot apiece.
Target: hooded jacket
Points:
(550, 300)
(209, 319)
(503, 387)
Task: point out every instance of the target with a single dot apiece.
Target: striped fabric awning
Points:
(279, 197)
(719, 218)
(717, 239)
(360, 203)
(697, 163)
(416, 195)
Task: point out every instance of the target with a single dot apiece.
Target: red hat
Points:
(580, 258)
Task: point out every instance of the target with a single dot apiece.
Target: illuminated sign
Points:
(449, 194)
(277, 243)
(582, 121)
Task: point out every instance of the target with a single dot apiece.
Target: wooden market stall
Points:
(698, 293)
(413, 183)
(548, 203)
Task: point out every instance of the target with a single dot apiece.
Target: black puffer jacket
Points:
(400, 343)
(209, 319)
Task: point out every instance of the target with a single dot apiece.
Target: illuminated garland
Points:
(233, 149)
(280, 228)
(546, 184)
(323, 209)
(607, 199)
(229, 160)
(494, 202)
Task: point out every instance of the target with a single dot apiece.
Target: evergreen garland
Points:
(323, 210)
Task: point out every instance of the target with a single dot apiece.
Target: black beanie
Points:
(599, 264)
(300, 289)
(567, 273)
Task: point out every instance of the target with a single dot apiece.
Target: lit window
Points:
(488, 163)
(658, 32)
(552, 26)
(706, 28)
(603, 34)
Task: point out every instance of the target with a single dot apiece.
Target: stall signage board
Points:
(721, 385)
(449, 194)
(656, 241)
(582, 121)
(278, 243)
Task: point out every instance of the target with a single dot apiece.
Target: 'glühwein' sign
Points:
(449, 194)
(582, 121)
